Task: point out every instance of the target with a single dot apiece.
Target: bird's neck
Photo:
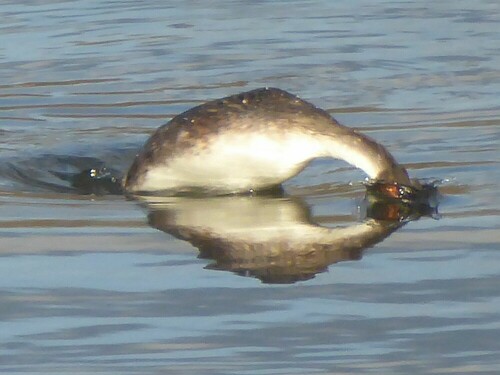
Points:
(366, 154)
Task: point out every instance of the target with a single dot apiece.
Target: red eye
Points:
(392, 191)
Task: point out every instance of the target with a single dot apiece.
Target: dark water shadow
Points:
(78, 171)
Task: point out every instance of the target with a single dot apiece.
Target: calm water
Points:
(106, 285)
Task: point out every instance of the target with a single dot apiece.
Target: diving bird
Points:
(254, 141)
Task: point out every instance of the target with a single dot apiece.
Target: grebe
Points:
(253, 141)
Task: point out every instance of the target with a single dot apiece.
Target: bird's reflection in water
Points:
(272, 239)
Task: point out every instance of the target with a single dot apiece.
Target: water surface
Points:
(108, 285)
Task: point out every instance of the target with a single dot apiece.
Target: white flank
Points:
(241, 162)
(235, 163)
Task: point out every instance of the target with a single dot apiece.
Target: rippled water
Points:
(103, 284)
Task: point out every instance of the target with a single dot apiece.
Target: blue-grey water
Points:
(108, 285)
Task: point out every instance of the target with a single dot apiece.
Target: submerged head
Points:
(392, 180)
(415, 194)
(393, 184)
